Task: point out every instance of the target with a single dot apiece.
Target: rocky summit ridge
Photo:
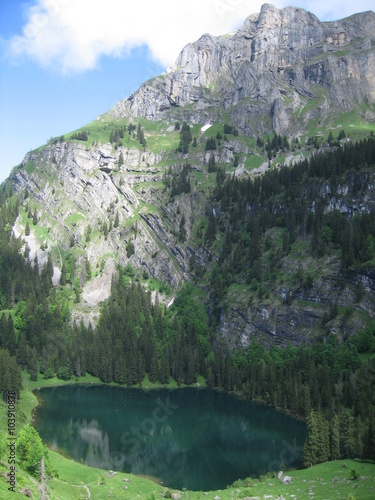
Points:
(122, 191)
(264, 73)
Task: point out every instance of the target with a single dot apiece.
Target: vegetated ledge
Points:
(328, 480)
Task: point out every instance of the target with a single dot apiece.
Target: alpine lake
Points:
(193, 438)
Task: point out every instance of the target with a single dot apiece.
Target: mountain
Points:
(265, 74)
(170, 182)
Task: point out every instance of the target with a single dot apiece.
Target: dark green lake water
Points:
(194, 438)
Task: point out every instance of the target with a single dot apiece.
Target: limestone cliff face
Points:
(265, 72)
(296, 315)
(76, 188)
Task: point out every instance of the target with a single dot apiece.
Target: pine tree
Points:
(342, 135)
(347, 433)
(130, 249)
(22, 350)
(117, 220)
(310, 449)
(347, 254)
(212, 163)
(10, 373)
(87, 268)
(164, 367)
(369, 445)
(211, 229)
(72, 270)
(63, 274)
(3, 331)
(335, 438)
(307, 401)
(323, 448)
(182, 229)
(11, 344)
(88, 233)
(32, 365)
(121, 159)
(189, 377)
(154, 369)
(210, 143)
(185, 138)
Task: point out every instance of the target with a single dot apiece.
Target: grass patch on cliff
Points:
(149, 185)
(41, 232)
(143, 208)
(29, 167)
(163, 142)
(354, 126)
(204, 180)
(130, 221)
(74, 219)
(254, 161)
(152, 284)
(22, 216)
(147, 208)
(199, 230)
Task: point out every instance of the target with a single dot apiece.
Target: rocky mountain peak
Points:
(264, 73)
(271, 17)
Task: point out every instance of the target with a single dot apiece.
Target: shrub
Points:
(48, 373)
(354, 475)
(63, 373)
(30, 451)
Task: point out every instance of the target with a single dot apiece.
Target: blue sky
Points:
(64, 62)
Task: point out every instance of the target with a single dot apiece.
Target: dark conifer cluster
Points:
(80, 136)
(178, 180)
(230, 129)
(210, 143)
(117, 134)
(293, 200)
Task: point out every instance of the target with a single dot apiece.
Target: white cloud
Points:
(332, 10)
(70, 36)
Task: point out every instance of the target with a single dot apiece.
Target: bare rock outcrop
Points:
(266, 72)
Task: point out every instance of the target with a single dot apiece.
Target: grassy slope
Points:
(331, 480)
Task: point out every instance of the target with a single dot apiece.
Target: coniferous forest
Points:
(328, 383)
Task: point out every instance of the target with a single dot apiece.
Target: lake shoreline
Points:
(72, 473)
(194, 438)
